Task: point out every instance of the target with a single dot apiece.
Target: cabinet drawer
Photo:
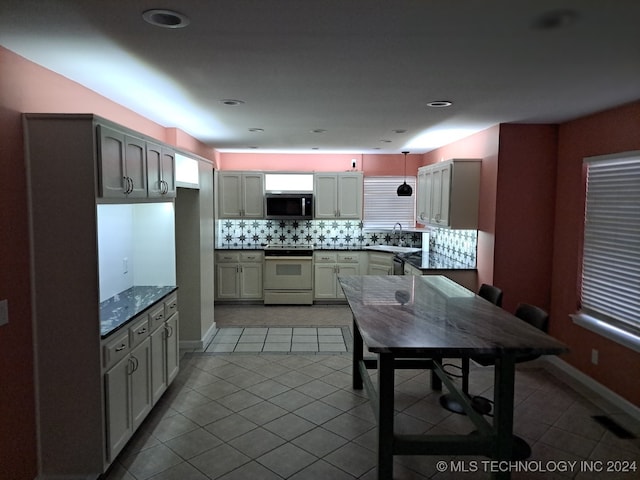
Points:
(116, 349)
(157, 316)
(251, 257)
(227, 257)
(325, 257)
(138, 331)
(348, 257)
(171, 306)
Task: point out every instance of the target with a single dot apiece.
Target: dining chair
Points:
(536, 317)
(492, 294)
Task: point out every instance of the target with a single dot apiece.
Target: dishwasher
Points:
(398, 266)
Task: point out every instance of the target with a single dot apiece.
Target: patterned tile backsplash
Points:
(459, 245)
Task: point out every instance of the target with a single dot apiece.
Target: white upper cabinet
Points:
(241, 195)
(338, 195)
(161, 167)
(448, 194)
(130, 167)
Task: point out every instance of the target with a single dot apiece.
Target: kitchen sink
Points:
(392, 249)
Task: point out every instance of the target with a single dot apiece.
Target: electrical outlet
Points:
(594, 356)
(4, 312)
(353, 163)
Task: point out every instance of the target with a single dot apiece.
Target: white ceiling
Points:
(358, 69)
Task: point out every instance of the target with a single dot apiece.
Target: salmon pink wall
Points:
(482, 145)
(370, 165)
(292, 162)
(26, 87)
(525, 204)
(612, 131)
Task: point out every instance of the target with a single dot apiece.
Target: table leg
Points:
(357, 357)
(504, 382)
(385, 416)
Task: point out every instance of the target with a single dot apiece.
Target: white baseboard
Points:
(562, 369)
(199, 344)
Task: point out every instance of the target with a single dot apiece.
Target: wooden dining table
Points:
(416, 322)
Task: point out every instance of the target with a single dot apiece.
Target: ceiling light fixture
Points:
(405, 190)
(439, 104)
(230, 102)
(256, 130)
(399, 130)
(555, 19)
(165, 18)
(318, 130)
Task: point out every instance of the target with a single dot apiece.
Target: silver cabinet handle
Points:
(121, 347)
(142, 331)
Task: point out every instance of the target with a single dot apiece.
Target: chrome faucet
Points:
(400, 234)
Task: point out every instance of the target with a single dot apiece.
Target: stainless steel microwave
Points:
(294, 206)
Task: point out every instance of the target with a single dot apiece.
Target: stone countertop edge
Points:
(121, 316)
(374, 248)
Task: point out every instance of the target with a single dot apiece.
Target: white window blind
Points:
(611, 258)
(383, 207)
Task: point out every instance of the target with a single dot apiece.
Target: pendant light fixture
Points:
(405, 190)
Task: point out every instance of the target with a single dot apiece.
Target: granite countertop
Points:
(432, 315)
(433, 261)
(414, 256)
(116, 311)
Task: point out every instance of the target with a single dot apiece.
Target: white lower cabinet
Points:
(140, 363)
(239, 275)
(380, 263)
(128, 396)
(327, 267)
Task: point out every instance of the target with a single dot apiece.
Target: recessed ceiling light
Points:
(399, 130)
(555, 19)
(439, 104)
(385, 141)
(318, 130)
(315, 148)
(253, 147)
(165, 18)
(256, 130)
(231, 102)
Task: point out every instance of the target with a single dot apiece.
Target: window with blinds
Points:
(383, 207)
(611, 258)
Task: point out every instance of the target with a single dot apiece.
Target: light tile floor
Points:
(274, 416)
(280, 339)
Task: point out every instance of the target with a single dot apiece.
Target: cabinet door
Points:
(421, 194)
(345, 269)
(141, 382)
(111, 168)
(173, 347)
(227, 287)
(118, 406)
(168, 169)
(326, 196)
(428, 197)
(229, 195)
(136, 166)
(324, 281)
(349, 196)
(154, 170)
(251, 280)
(375, 269)
(253, 195)
(440, 197)
(158, 363)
